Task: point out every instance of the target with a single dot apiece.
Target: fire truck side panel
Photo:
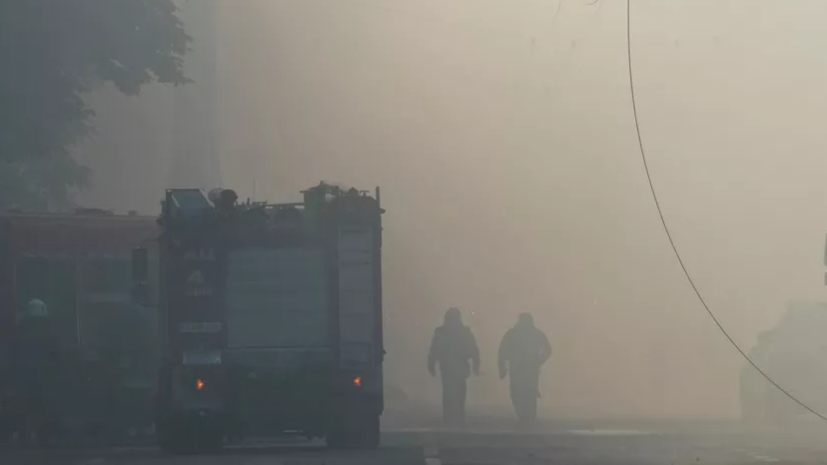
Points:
(79, 266)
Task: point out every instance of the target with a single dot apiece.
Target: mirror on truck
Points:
(140, 275)
(140, 264)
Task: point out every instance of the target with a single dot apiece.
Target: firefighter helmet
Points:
(36, 308)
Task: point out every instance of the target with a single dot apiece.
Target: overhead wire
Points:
(556, 15)
(566, 62)
(451, 25)
(669, 233)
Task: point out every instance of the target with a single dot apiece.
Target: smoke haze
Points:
(502, 135)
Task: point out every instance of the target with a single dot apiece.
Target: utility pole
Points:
(195, 124)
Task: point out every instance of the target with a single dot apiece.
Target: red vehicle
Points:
(79, 265)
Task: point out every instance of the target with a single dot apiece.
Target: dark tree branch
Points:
(53, 52)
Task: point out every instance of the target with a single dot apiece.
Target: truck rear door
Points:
(357, 296)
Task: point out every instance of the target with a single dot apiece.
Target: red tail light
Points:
(357, 381)
(199, 385)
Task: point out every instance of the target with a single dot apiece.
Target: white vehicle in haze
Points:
(794, 354)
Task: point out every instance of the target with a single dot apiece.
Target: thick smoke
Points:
(501, 134)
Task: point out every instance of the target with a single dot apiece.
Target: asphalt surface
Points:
(608, 443)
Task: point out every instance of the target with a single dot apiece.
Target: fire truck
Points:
(270, 318)
(79, 265)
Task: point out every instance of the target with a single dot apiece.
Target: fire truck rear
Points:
(271, 318)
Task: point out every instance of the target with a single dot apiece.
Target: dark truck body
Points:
(271, 319)
(79, 265)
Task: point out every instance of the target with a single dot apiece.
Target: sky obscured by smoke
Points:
(501, 132)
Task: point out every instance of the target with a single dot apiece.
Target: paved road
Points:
(598, 446)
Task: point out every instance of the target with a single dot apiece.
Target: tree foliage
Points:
(55, 51)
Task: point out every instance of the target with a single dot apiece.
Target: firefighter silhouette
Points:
(524, 349)
(453, 347)
(35, 375)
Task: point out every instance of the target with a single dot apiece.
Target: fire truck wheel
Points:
(371, 433)
(362, 434)
(6, 430)
(210, 442)
(175, 441)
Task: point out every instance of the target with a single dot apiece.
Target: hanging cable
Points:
(669, 234)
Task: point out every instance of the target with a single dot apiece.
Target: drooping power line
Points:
(669, 234)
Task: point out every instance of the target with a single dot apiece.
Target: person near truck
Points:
(35, 374)
(455, 349)
(523, 350)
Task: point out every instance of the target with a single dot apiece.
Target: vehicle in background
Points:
(270, 318)
(79, 265)
(794, 353)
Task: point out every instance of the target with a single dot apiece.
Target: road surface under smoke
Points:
(607, 442)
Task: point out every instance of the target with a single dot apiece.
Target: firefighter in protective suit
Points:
(453, 346)
(35, 368)
(524, 349)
